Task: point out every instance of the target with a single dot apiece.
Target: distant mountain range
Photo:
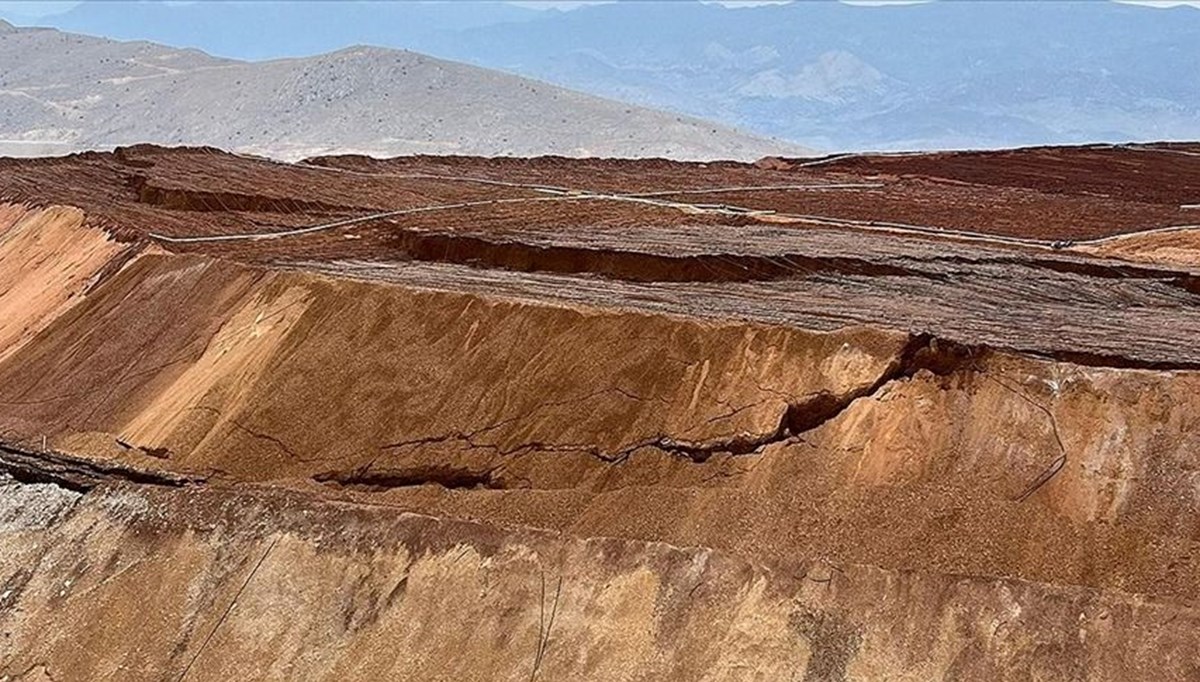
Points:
(824, 74)
(62, 92)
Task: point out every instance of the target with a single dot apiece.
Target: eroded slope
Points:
(894, 453)
(412, 596)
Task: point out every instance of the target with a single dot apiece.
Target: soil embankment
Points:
(571, 441)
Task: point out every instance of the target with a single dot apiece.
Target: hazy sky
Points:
(31, 8)
(41, 8)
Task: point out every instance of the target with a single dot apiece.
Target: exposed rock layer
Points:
(262, 585)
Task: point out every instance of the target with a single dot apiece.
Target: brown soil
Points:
(748, 446)
(1043, 193)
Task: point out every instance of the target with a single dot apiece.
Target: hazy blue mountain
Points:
(838, 76)
(824, 74)
(265, 30)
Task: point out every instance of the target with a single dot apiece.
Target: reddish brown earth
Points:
(885, 417)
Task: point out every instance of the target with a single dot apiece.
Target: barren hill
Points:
(830, 75)
(61, 92)
(859, 418)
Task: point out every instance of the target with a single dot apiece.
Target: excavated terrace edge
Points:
(297, 499)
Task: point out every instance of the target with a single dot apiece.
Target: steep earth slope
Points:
(460, 418)
(63, 92)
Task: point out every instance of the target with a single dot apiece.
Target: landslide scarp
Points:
(612, 422)
(186, 199)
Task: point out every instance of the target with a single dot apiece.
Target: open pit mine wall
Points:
(148, 583)
(874, 505)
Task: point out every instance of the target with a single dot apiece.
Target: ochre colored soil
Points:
(592, 438)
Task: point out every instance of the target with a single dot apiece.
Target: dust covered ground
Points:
(867, 417)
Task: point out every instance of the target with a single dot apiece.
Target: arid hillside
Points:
(900, 417)
(65, 92)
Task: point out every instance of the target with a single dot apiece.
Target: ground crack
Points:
(267, 437)
(81, 474)
(921, 352)
(1058, 463)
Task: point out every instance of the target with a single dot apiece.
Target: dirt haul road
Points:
(897, 417)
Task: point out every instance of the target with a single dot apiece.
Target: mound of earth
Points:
(891, 417)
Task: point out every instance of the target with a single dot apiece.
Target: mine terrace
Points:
(935, 413)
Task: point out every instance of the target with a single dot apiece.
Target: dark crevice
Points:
(632, 266)
(386, 479)
(1189, 283)
(1101, 269)
(1107, 361)
(923, 352)
(812, 413)
(79, 474)
(1088, 267)
(742, 444)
